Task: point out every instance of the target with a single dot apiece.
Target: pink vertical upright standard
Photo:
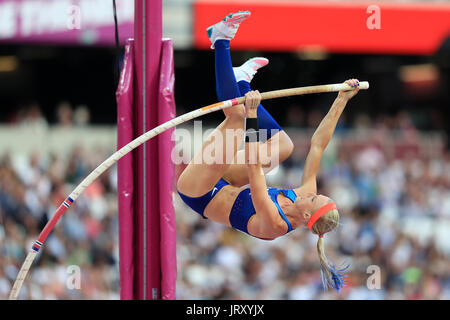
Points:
(125, 177)
(151, 242)
(167, 215)
(147, 36)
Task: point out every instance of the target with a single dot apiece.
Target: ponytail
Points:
(322, 221)
(331, 276)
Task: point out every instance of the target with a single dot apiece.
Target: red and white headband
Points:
(320, 212)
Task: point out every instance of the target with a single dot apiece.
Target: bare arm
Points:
(266, 212)
(258, 186)
(322, 137)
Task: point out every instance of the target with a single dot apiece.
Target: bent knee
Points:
(286, 146)
(288, 149)
(236, 112)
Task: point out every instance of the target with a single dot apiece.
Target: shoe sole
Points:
(260, 63)
(233, 18)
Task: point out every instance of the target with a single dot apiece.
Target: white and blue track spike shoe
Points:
(227, 27)
(248, 70)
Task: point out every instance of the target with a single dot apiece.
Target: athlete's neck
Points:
(291, 212)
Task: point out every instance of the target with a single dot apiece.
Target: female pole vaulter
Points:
(219, 191)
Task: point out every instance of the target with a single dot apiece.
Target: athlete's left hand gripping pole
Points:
(140, 140)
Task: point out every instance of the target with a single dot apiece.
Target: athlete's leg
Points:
(265, 121)
(276, 148)
(220, 35)
(272, 153)
(218, 151)
(226, 85)
(212, 161)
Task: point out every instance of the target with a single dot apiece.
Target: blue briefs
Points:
(199, 204)
(242, 208)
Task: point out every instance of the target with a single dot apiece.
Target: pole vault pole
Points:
(139, 141)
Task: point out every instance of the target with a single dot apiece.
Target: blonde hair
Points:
(331, 277)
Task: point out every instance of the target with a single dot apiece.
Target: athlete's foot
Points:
(248, 70)
(226, 28)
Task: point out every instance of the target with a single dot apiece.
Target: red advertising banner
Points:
(341, 27)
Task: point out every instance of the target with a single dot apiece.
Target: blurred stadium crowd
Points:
(390, 181)
(30, 192)
(31, 188)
